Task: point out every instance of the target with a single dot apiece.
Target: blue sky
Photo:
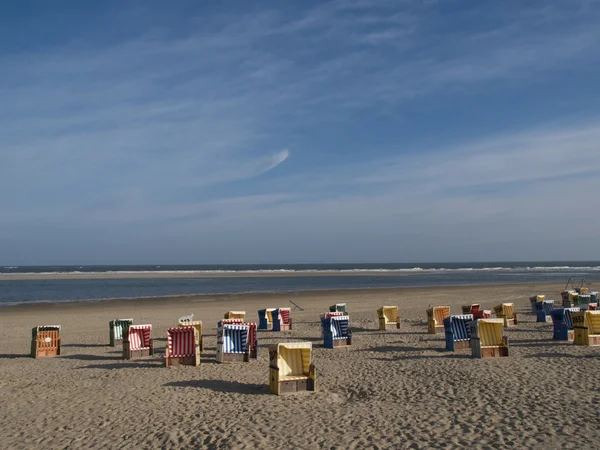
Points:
(272, 132)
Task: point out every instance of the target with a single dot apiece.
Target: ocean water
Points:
(315, 277)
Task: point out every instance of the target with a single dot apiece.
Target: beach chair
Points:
(197, 324)
(436, 317)
(235, 315)
(290, 368)
(183, 346)
(487, 340)
(569, 297)
(469, 309)
(265, 319)
(45, 341)
(534, 299)
(458, 331)
(563, 324)
(336, 332)
(586, 327)
(543, 310)
(389, 319)
(282, 320)
(115, 329)
(594, 297)
(236, 342)
(506, 312)
(338, 307)
(137, 342)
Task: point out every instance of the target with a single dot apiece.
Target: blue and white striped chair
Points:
(458, 331)
(336, 331)
(563, 324)
(232, 342)
(543, 310)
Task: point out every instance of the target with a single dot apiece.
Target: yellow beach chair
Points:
(45, 341)
(235, 315)
(487, 340)
(290, 368)
(506, 312)
(388, 318)
(435, 318)
(586, 325)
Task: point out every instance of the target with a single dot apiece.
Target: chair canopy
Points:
(338, 326)
(294, 359)
(181, 341)
(489, 331)
(459, 326)
(235, 338)
(338, 307)
(235, 315)
(139, 336)
(438, 314)
(389, 313)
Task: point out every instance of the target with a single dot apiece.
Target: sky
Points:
(151, 132)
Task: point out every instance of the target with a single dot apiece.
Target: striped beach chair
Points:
(236, 342)
(197, 324)
(265, 319)
(45, 341)
(115, 329)
(337, 332)
(389, 319)
(586, 327)
(476, 311)
(487, 339)
(563, 324)
(327, 315)
(534, 299)
(569, 297)
(506, 312)
(468, 309)
(235, 315)
(282, 320)
(458, 331)
(137, 342)
(183, 346)
(339, 307)
(543, 310)
(436, 317)
(291, 368)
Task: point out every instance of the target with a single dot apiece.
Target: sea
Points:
(284, 278)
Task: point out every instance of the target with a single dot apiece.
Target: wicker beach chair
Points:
(197, 324)
(282, 320)
(115, 329)
(137, 342)
(236, 342)
(389, 319)
(563, 324)
(586, 327)
(235, 315)
(265, 319)
(543, 310)
(183, 346)
(469, 309)
(458, 331)
(534, 299)
(487, 340)
(339, 307)
(45, 341)
(569, 298)
(290, 368)
(436, 317)
(506, 312)
(336, 332)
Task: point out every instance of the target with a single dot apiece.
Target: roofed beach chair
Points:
(327, 315)
(197, 324)
(563, 324)
(137, 342)
(389, 319)
(265, 319)
(235, 315)
(476, 311)
(282, 320)
(45, 341)
(594, 297)
(468, 309)
(543, 310)
(183, 346)
(336, 332)
(291, 368)
(458, 331)
(236, 342)
(115, 328)
(338, 307)
(487, 340)
(568, 298)
(436, 317)
(506, 312)
(536, 299)
(586, 327)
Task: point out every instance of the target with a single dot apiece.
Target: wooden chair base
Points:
(183, 361)
(342, 342)
(460, 345)
(116, 343)
(141, 353)
(434, 329)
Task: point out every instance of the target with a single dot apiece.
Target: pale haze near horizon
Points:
(359, 131)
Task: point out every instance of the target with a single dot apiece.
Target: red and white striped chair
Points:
(137, 342)
(183, 347)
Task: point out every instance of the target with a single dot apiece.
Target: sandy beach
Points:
(397, 389)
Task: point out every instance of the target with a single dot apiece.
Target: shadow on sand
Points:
(223, 386)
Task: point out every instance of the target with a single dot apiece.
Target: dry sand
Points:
(389, 390)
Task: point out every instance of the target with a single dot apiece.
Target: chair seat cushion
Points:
(294, 378)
